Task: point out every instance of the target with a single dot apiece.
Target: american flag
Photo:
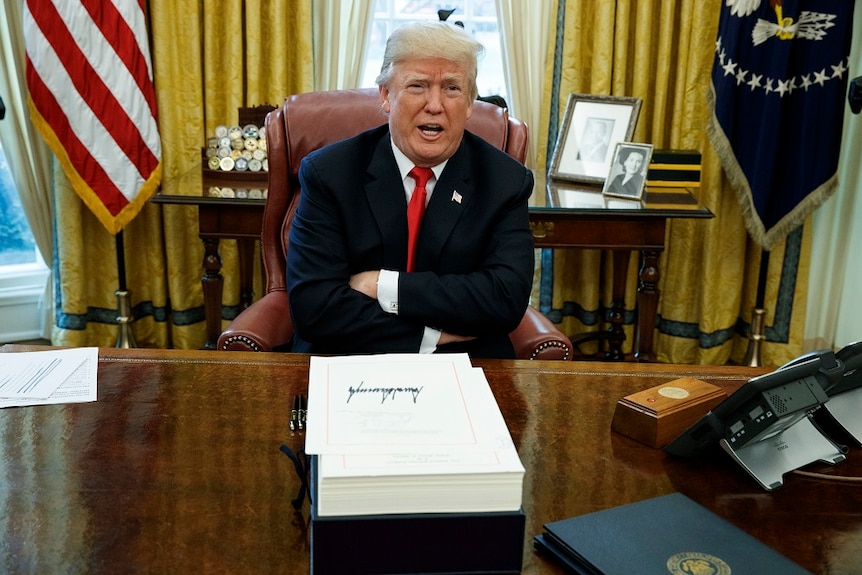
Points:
(92, 98)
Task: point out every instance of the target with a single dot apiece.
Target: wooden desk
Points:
(581, 217)
(177, 468)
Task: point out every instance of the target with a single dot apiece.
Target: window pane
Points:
(17, 245)
(479, 18)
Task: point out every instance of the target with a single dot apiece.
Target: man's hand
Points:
(446, 337)
(366, 282)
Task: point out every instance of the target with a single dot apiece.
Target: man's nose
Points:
(434, 101)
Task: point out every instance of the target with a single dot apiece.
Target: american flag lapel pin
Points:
(456, 197)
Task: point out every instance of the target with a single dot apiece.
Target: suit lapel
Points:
(385, 193)
(452, 195)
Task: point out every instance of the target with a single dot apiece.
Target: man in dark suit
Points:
(347, 270)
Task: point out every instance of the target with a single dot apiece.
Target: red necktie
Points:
(415, 209)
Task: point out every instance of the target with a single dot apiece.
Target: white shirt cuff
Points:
(429, 340)
(387, 297)
(387, 291)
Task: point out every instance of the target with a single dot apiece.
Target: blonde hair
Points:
(432, 40)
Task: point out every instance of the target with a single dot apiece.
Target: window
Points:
(479, 18)
(22, 271)
(17, 245)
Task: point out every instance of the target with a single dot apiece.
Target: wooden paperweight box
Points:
(656, 416)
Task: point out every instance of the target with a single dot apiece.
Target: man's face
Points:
(634, 162)
(428, 104)
(596, 132)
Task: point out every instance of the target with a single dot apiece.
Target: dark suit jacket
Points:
(474, 260)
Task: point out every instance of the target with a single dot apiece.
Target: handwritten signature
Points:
(385, 392)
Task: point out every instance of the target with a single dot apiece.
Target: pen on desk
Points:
(302, 412)
(294, 413)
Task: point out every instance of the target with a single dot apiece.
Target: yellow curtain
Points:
(209, 59)
(662, 51)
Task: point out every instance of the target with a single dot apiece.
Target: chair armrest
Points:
(262, 326)
(536, 337)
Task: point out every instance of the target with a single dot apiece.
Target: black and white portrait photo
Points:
(628, 170)
(595, 141)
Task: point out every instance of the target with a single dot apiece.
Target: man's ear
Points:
(384, 98)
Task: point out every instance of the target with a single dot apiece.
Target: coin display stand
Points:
(234, 161)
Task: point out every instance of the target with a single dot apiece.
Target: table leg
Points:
(616, 335)
(647, 305)
(213, 285)
(245, 250)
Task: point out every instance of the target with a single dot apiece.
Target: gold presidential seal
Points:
(693, 563)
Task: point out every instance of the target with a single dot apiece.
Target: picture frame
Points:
(592, 126)
(628, 172)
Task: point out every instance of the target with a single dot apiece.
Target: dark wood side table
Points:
(221, 218)
(578, 216)
(564, 217)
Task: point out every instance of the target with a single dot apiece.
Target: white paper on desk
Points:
(395, 403)
(73, 381)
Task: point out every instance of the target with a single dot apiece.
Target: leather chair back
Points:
(306, 122)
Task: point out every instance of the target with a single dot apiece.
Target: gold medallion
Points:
(694, 563)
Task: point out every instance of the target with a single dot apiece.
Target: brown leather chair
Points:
(309, 121)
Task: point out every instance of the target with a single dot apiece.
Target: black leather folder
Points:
(667, 534)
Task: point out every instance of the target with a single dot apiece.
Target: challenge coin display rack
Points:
(234, 161)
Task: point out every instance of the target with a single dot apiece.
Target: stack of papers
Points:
(408, 434)
(48, 377)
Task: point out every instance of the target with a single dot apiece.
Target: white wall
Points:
(21, 295)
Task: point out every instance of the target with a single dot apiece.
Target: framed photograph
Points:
(627, 175)
(592, 126)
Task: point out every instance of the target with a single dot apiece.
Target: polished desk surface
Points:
(587, 199)
(177, 468)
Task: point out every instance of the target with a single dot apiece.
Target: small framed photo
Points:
(591, 128)
(627, 175)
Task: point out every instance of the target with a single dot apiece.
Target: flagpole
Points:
(756, 335)
(125, 338)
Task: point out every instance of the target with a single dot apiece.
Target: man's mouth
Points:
(430, 129)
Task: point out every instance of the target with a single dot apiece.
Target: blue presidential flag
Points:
(777, 100)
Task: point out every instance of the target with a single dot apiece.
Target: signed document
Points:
(408, 434)
(394, 403)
